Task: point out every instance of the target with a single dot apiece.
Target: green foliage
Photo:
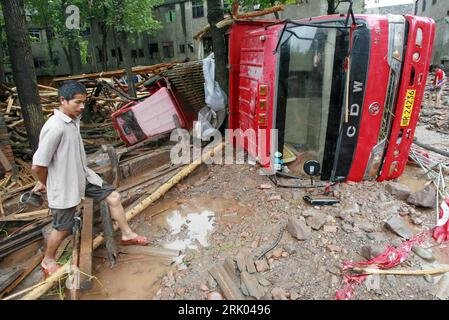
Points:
(130, 16)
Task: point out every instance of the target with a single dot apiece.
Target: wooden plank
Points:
(74, 293)
(10, 279)
(86, 246)
(120, 72)
(5, 162)
(28, 268)
(10, 101)
(26, 216)
(150, 251)
(230, 290)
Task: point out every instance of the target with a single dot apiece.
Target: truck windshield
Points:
(311, 64)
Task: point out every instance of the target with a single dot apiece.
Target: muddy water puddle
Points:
(181, 224)
(188, 223)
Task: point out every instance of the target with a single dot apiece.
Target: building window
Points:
(39, 62)
(434, 2)
(416, 7)
(120, 57)
(154, 51)
(191, 47)
(141, 54)
(113, 53)
(167, 49)
(182, 48)
(197, 9)
(423, 6)
(100, 55)
(35, 36)
(170, 16)
(134, 53)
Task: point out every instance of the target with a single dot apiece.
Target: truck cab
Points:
(347, 95)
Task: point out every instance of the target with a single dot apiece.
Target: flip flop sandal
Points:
(140, 241)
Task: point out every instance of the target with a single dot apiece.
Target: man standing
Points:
(61, 166)
(438, 83)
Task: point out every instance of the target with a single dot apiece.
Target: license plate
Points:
(408, 108)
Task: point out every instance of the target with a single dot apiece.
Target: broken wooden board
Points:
(150, 251)
(27, 216)
(230, 290)
(86, 246)
(28, 267)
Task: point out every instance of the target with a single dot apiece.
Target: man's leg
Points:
(62, 225)
(54, 240)
(118, 214)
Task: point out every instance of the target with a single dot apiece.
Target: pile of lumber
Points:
(107, 93)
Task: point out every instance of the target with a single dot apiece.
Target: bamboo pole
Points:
(400, 272)
(41, 290)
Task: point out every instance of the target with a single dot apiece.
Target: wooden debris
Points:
(150, 251)
(29, 266)
(230, 290)
(38, 290)
(85, 257)
(27, 216)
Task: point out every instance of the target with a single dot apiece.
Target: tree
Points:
(214, 15)
(51, 14)
(23, 68)
(128, 17)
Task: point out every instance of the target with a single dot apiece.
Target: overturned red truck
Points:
(345, 92)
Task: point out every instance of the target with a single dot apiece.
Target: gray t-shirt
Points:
(61, 149)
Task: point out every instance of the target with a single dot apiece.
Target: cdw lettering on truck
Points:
(344, 94)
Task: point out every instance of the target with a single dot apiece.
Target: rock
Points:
(366, 226)
(347, 227)
(417, 221)
(214, 295)
(382, 197)
(298, 195)
(398, 226)
(424, 198)
(262, 266)
(274, 197)
(334, 248)
(267, 296)
(396, 242)
(343, 215)
(352, 208)
(211, 282)
(284, 254)
(204, 287)
(377, 236)
(278, 294)
(294, 295)
(335, 270)
(330, 229)
(298, 229)
(317, 221)
(181, 291)
(309, 213)
(277, 253)
(398, 190)
(264, 282)
(441, 290)
(370, 252)
(265, 186)
(424, 253)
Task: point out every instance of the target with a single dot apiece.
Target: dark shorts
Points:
(62, 219)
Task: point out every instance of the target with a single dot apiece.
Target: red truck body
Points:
(347, 97)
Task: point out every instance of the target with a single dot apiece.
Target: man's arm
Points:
(41, 173)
